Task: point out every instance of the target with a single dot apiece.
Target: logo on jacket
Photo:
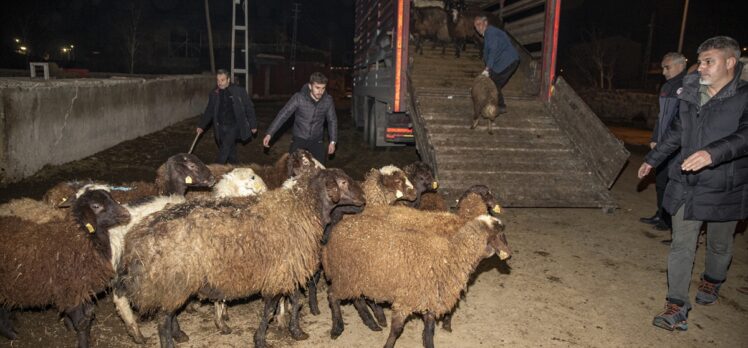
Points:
(678, 92)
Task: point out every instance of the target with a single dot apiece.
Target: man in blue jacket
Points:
(311, 107)
(673, 68)
(499, 54)
(708, 177)
(232, 114)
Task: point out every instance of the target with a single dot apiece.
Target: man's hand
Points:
(254, 130)
(266, 141)
(485, 73)
(644, 170)
(698, 160)
(331, 149)
(652, 145)
(199, 131)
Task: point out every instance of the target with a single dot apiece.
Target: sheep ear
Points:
(333, 191)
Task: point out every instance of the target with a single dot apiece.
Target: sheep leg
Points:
(165, 331)
(396, 328)
(429, 322)
(490, 126)
(475, 122)
(313, 304)
(176, 333)
(378, 313)
(337, 318)
(125, 312)
(296, 332)
(363, 312)
(270, 304)
(6, 325)
(447, 322)
(219, 319)
(82, 316)
(280, 313)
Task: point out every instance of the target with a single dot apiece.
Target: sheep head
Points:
(496, 243)
(396, 184)
(95, 211)
(300, 162)
(240, 182)
(477, 200)
(181, 171)
(336, 188)
(421, 176)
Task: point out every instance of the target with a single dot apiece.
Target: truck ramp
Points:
(538, 154)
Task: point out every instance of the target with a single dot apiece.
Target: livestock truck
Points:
(549, 150)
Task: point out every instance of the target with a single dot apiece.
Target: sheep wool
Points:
(31, 210)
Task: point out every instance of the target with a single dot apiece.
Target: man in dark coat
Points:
(674, 69)
(311, 107)
(499, 54)
(709, 177)
(232, 114)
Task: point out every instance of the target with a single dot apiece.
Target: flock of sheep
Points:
(221, 233)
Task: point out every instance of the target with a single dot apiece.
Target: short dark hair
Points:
(223, 72)
(318, 78)
(723, 43)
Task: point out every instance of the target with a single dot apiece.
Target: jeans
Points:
(316, 147)
(227, 144)
(719, 238)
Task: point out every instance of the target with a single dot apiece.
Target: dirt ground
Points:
(578, 277)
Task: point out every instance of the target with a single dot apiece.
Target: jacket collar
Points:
(691, 86)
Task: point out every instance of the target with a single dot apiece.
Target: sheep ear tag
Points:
(188, 180)
(434, 185)
(503, 255)
(497, 209)
(399, 194)
(90, 228)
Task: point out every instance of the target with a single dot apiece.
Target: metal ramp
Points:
(531, 160)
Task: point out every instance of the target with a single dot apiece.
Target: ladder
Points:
(240, 68)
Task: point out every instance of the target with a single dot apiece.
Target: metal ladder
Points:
(244, 50)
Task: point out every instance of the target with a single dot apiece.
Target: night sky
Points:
(97, 28)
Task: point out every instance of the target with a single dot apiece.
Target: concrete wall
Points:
(57, 121)
(622, 107)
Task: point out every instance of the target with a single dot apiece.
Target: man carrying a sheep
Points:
(311, 107)
(499, 54)
(708, 177)
(232, 114)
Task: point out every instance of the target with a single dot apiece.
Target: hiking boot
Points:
(708, 292)
(673, 318)
(654, 220)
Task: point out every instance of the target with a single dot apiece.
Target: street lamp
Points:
(17, 40)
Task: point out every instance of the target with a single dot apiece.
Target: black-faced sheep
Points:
(417, 271)
(485, 101)
(61, 263)
(288, 166)
(422, 177)
(430, 23)
(224, 251)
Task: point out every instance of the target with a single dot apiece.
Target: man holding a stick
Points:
(232, 114)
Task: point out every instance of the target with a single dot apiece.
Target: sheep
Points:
(421, 175)
(222, 250)
(430, 23)
(31, 210)
(485, 101)
(418, 271)
(173, 177)
(239, 182)
(61, 263)
(289, 165)
(383, 186)
(462, 29)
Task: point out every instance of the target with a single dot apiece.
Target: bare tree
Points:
(596, 60)
(132, 35)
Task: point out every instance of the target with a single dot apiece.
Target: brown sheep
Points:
(420, 272)
(61, 263)
(422, 177)
(430, 23)
(32, 210)
(223, 251)
(485, 101)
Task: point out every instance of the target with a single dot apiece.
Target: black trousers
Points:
(501, 78)
(661, 180)
(227, 144)
(316, 147)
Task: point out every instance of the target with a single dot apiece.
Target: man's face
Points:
(715, 67)
(222, 81)
(671, 69)
(480, 26)
(317, 90)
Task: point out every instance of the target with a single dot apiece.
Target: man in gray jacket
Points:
(311, 107)
(708, 178)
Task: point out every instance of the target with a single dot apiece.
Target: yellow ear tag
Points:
(497, 209)
(435, 185)
(399, 194)
(90, 228)
(188, 180)
(63, 200)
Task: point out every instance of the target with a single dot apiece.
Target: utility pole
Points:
(210, 38)
(683, 27)
(648, 50)
(296, 11)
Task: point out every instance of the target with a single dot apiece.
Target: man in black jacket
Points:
(709, 177)
(232, 114)
(674, 69)
(311, 107)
